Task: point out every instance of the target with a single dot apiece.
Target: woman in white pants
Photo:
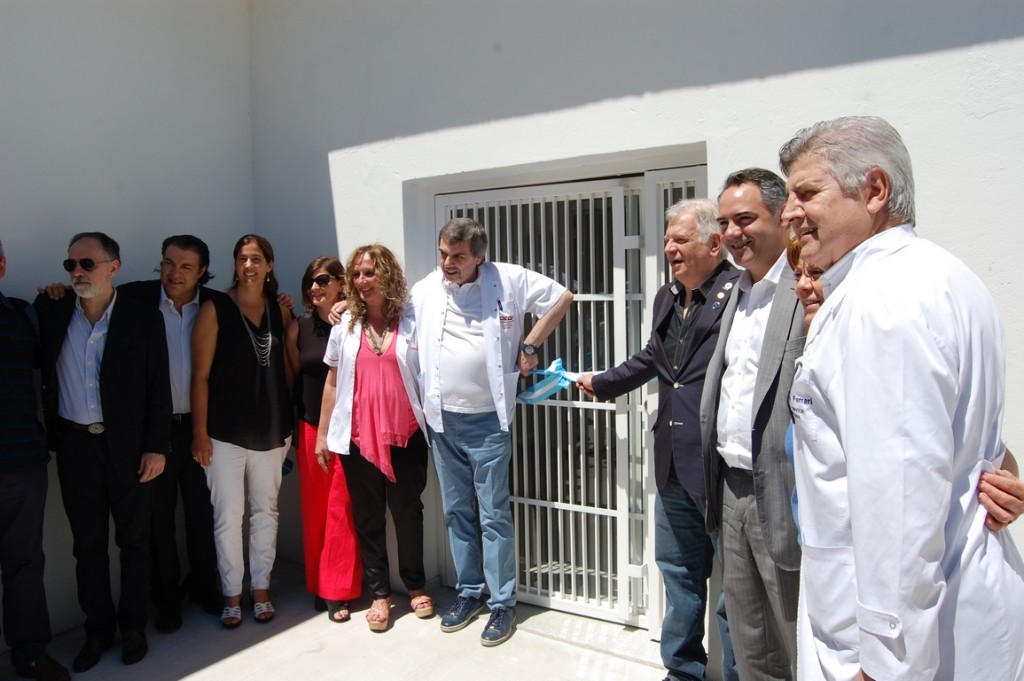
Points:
(242, 421)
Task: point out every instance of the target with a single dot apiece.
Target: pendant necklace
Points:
(376, 343)
(260, 343)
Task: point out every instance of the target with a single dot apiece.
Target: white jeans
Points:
(232, 470)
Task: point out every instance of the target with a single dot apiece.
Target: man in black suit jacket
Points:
(686, 320)
(107, 402)
(177, 294)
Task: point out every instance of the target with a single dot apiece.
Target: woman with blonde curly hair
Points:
(371, 416)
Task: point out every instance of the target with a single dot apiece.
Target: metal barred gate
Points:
(581, 485)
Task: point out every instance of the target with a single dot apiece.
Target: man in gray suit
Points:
(744, 416)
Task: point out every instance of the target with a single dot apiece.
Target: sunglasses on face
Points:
(87, 264)
(323, 279)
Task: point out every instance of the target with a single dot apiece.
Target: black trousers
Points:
(371, 493)
(92, 494)
(26, 618)
(181, 472)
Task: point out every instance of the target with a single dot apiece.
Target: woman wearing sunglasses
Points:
(333, 570)
(371, 415)
(242, 420)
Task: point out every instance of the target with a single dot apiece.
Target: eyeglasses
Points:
(324, 279)
(88, 264)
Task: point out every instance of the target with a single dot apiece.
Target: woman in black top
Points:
(333, 570)
(242, 420)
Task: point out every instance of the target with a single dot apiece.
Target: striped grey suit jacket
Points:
(773, 474)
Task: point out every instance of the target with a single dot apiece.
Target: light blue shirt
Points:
(178, 328)
(78, 367)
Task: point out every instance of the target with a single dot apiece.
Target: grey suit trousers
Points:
(760, 597)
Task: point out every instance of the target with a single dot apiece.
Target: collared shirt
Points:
(683, 321)
(179, 347)
(78, 367)
(742, 356)
(463, 374)
(898, 403)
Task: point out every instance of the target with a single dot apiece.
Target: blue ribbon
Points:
(556, 378)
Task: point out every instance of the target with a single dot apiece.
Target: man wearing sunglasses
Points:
(107, 401)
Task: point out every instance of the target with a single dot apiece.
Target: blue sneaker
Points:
(464, 609)
(499, 627)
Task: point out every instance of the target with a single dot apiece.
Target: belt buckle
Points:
(95, 428)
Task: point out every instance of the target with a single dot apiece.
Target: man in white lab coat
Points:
(898, 404)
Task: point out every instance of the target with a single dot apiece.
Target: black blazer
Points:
(135, 386)
(676, 430)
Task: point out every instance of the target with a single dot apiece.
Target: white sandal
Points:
(231, 616)
(260, 611)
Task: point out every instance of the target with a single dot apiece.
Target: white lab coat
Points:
(342, 349)
(898, 405)
(507, 293)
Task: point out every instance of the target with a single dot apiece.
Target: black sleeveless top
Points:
(312, 341)
(249, 405)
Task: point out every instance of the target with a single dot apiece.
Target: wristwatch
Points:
(528, 350)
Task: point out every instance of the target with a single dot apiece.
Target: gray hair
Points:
(706, 212)
(773, 187)
(1, 249)
(850, 147)
(466, 229)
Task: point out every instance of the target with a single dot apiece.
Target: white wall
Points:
(124, 116)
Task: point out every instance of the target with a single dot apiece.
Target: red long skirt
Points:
(333, 568)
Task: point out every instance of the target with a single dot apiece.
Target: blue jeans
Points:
(684, 553)
(472, 458)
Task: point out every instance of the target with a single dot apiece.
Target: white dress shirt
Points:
(742, 357)
(898, 405)
(179, 348)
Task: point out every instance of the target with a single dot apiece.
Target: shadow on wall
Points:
(461, 62)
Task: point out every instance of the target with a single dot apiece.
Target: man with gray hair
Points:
(23, 485)
(469, 332)
(898, 405)
(107, 402)
(686, 319)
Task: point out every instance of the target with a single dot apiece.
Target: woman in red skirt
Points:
(333, 570)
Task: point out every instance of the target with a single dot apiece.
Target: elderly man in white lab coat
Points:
(898, 404)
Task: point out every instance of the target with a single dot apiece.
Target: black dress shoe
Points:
(211, 602)
(90, 654)
(168, 620)
(43, 668)
(133, 647)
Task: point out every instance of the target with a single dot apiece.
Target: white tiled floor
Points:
(302, 644)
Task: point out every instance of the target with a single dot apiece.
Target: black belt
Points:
(91, 428)
(181, 417)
